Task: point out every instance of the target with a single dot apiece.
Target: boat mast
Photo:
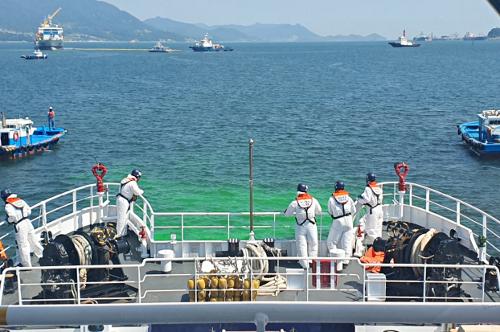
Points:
(250, 181)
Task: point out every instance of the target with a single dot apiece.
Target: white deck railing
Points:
(337, 286)
(71, 202)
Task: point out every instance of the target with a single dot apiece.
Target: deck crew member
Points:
(51, 117)
(18, 213)
(341, 208)
(305, 208)
(129, 190)
(372, 197)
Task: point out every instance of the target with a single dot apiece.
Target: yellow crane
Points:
(48, 20)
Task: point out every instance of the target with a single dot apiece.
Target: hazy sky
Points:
(329, 17)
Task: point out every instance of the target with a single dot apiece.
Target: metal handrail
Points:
(143, 290)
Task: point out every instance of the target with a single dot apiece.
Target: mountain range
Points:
(100, 21)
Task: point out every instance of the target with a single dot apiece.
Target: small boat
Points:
(207, 45)
(403, 42)
(19, 138)
(483, 136)
(37, 55)
(160, 48)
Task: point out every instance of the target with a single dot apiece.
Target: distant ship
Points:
(160, 48)
(207, 45)
(423, 38)
(403, 42)
(49, 36)
(471, 36)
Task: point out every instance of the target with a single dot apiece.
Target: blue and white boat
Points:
(19, 138)
(483, 136)
(207, 45)
(36, 55)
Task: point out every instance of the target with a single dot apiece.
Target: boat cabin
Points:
(16, 131)
(489, 126)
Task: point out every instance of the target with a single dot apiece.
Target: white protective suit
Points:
(128, 189)
(18, 212)
(305, 208)
(372, 197)
(341, 208)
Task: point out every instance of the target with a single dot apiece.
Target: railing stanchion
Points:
(427, 199)
(75, 218)
(425, 284)
(485, 233)
(483, 282)
(44, 214)
(78, 295)
(228, 226)
(144, 213)
(410, 194)
(274, 225)
(307, 285)
(458, 213)
(91, 203)
(364, 282)
(19, 295)
(139, 293)
(195, 280)
(182, 227)
(152, 226)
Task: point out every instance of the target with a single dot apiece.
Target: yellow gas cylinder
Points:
(190, 285)
(237, 289)
(246, 295)
(222, 289)
(202, 295)
(256, 285)
(214, 285)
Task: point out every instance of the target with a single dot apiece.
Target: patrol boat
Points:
(215, 271)
(160, 48)
(49, 36)
(37, 55)
(483, 135)
(19, 138)
(403, 42)
(207, 45)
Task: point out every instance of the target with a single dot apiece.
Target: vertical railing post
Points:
(152, 226)
(91, 202)
(307, 285)
(274, 225)
(483, 282)
(458, 213)
(139, 292)
(182, 227)
(44, 214)
(195, 261)
(78, 295)
(410, 194)
(19, 295)
(320, 227)
(228, 226)
(364, 283)
(144, 213)
(427, 199)
(75, 218)
(425, 283)
(485, 233)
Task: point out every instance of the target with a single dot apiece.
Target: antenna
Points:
(250, 181)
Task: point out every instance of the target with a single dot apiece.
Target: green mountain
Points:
(494, 33)
(251, 33)
(81, 20)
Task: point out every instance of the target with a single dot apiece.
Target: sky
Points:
(329, 17)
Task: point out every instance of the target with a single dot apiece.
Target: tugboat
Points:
(483, 136)
(160, 48)
(207, 45)
(403, 42)
(18, 137)
(36, 55)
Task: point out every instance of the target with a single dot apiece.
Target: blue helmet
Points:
(136, 173)
(339, 185)
(370, 177)
(5, 194)
(302, 187)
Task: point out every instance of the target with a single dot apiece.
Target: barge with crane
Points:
(49, 36)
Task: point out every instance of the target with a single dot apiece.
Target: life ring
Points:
(15, 136)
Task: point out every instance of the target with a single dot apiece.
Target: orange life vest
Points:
(305, 201)
(3, 253)
(336, 195)
(372, 256)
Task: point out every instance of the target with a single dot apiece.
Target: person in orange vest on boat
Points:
(18, 213)
(129, 190)
(51, 117)
(375, 254)
(305, 208)
(372, 197)
(341, 208)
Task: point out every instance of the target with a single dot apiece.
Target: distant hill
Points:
(251, 33)
(494, 33)
(81, 19)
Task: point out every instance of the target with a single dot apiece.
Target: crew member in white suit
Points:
(18, 213)
(372, 197)
(341, 208)
(305, 208)
(129, 190)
